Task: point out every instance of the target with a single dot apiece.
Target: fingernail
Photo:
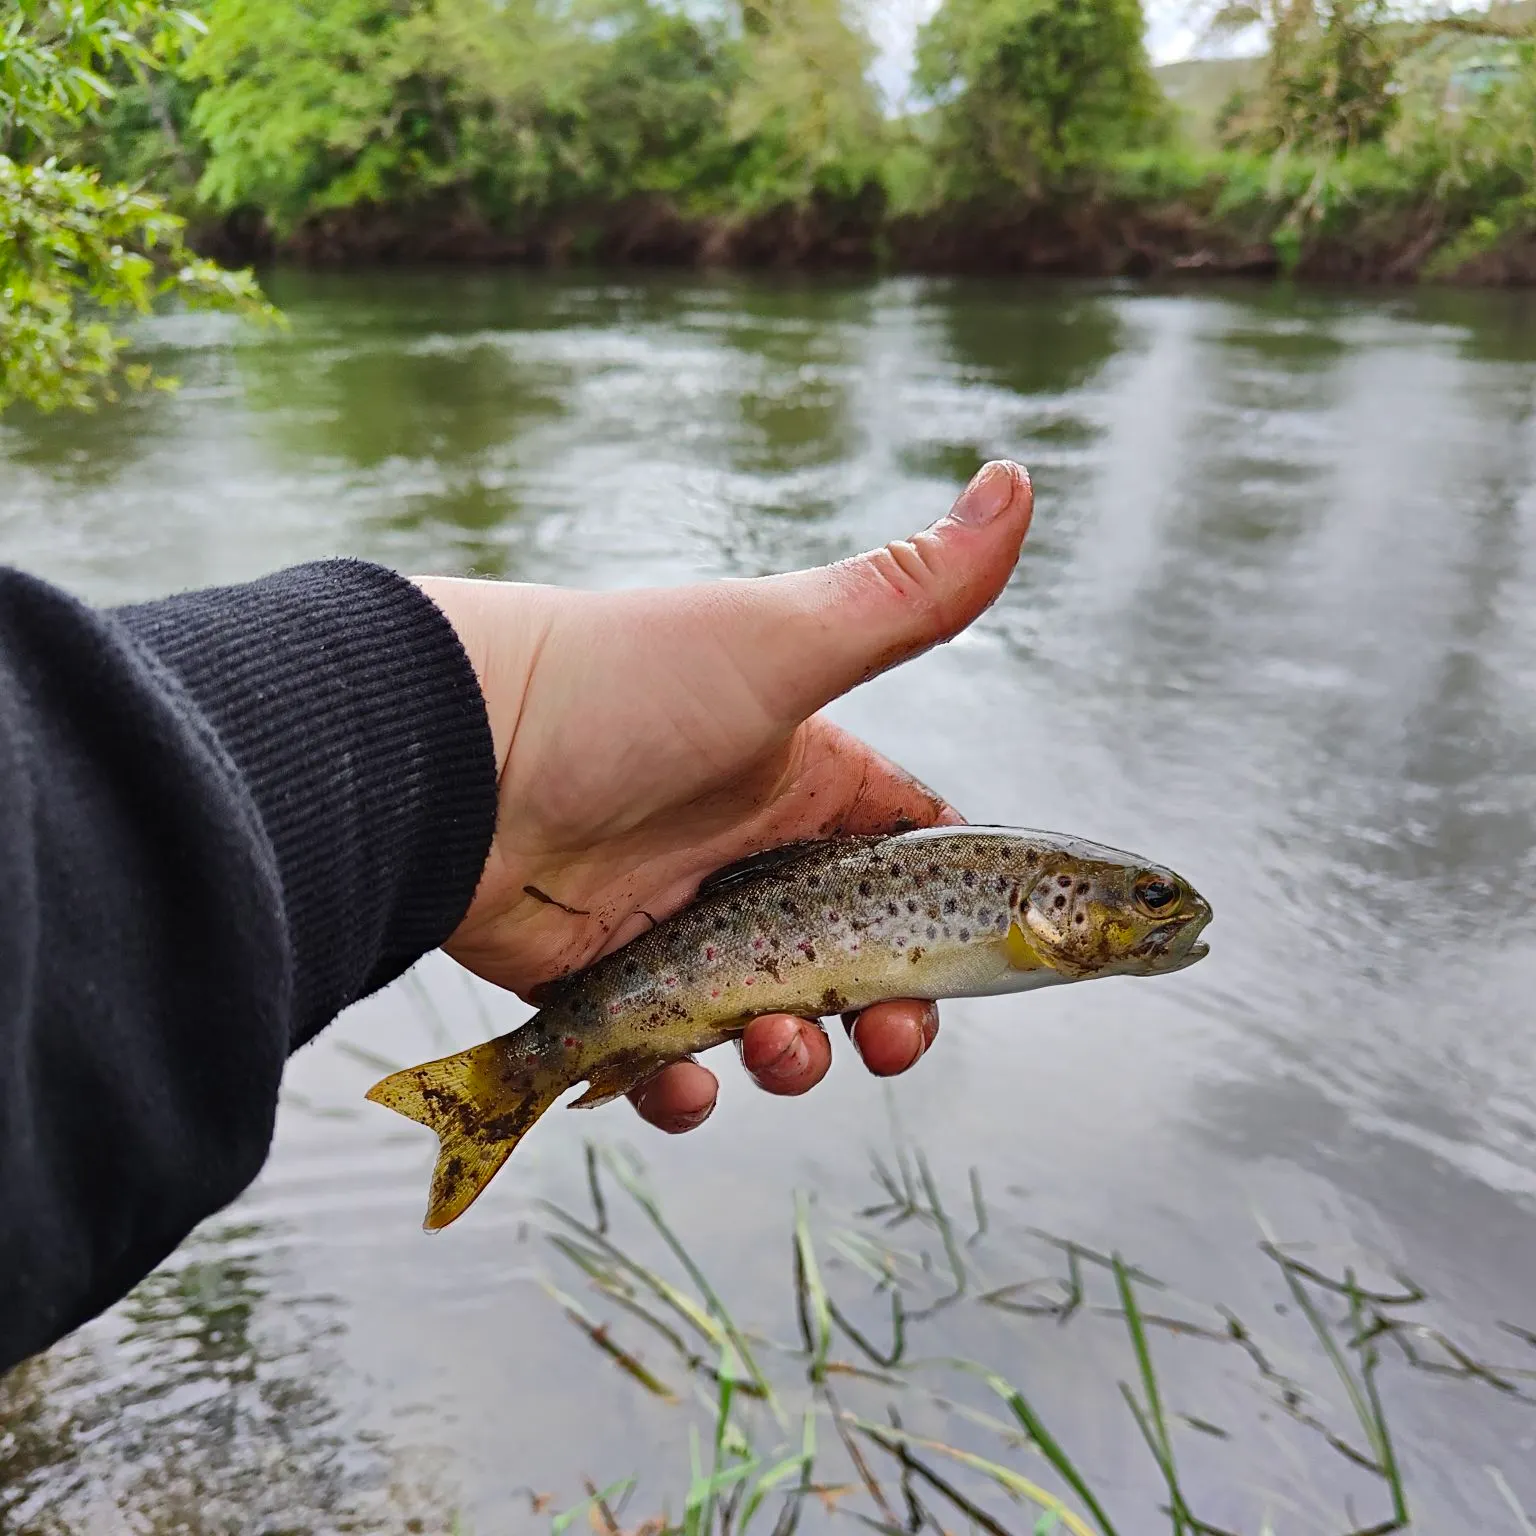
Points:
(678, 1124)
(917, 1054)
(789, 1063)
(989, 494)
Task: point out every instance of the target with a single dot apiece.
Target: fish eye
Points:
(1156, 894)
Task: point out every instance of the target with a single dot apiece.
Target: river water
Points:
(1275, 625)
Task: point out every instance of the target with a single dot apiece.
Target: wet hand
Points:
(646, 738)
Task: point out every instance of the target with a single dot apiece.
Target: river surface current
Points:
(1275, 626)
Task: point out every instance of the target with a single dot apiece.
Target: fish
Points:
(815, 929)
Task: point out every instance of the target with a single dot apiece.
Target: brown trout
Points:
(811, 929)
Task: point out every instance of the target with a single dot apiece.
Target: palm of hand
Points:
(675, 761)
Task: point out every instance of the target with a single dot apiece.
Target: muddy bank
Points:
(1095, 238)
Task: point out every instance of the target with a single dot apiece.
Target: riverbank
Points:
(1114, 234)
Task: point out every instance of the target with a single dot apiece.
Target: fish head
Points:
(1092, 911)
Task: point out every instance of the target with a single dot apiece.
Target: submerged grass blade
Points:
(649, 1205)
(898, 1349)
(567, 1517)
(1045, 1442)
(946, 1228)
(684, 1305)
(599, 1335)
(1508, 1495)
(1015, 1483)
(1156, 1423)
(979, 1206)
(370, 1059)
(811, 1299)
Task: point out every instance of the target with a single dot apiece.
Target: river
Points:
(1275, 626)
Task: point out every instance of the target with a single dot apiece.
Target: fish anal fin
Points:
(480, 1102)
(615, 1078)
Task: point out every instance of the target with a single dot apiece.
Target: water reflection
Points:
(201, 1406)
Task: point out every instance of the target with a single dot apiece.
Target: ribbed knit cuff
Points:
(346, 703)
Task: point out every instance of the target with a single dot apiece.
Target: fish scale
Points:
(812, 929)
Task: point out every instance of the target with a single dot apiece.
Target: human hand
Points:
(646, 738)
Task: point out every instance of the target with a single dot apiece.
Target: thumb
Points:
(809, 636)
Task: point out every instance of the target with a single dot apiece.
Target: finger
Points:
(786, 1055)
(678, 1098)
(892, 1037)
(806, 638)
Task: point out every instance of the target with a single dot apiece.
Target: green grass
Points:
(894, 1440)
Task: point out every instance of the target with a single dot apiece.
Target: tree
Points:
(75, 251)
(804, 114)
(1328, 79)
(1029, 95)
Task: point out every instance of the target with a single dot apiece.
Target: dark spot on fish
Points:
(1002, 882)
(965, 935)
(933, 933)
(631, 967)
(1061, 901)
(813, 881)
(1082, 887)
(891, 908)
(984, 917)
(788, 908)
(454, 1168)
(722, 922)
(807, 949)
(968, 879)
(951, 904)
(834, 917)
(833, 1001)
(865, 888)
(935, 870)
(1080, 917)
(911, 906)
(1063, 881)
(917, 954)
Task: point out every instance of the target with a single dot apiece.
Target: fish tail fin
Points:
(480, 1102)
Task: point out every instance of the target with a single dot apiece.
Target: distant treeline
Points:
(749, 130)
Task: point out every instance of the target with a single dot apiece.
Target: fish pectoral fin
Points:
(613, 1079)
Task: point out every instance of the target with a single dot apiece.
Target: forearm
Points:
(223, 818)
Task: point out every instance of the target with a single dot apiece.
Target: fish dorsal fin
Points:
(756, 864)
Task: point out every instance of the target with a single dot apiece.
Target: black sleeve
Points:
(223, 818)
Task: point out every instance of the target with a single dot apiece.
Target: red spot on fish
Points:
(570, 1042)
(757, 943)
(709, 952)
(832, 917)
(747, 981)
(671, 981)
(715, 992)
(614, 1007)
(806, 947)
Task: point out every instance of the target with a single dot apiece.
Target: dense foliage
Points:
(74, 249)
(1034, 95)
(1369, 142)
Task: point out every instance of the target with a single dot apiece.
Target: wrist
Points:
(502, 626)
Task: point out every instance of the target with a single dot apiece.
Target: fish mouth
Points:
(1178, 945)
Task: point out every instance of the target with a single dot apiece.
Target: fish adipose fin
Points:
(480, 1102)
